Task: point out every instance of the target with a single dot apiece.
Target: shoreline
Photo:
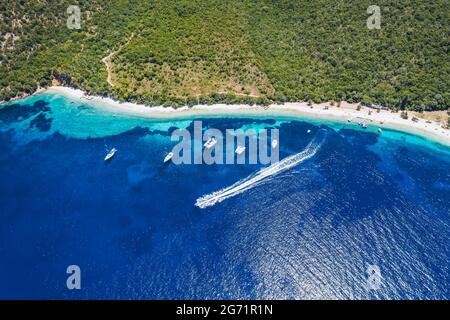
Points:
(347, 112)
(24, 96)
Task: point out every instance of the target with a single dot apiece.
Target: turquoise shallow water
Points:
(132, 226)
(79, 119)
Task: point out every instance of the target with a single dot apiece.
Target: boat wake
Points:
(264, 174)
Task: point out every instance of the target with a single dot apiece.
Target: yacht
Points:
(210, 143)
(274, 143)
(110, 154)
(240, 150)
(168, 157)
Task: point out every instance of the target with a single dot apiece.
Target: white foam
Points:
(262, 175)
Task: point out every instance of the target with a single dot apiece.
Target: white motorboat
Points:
(309, 131)
(210, 143)
(240, 150)
(110, 154)
(274, 143)
(168, 157)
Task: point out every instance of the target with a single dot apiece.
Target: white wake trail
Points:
(262, 175)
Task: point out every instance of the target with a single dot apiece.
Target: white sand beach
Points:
(345, 113)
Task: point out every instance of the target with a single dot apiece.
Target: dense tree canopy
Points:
(176, 52)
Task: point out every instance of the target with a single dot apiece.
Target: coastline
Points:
(24, 96)
(324, 111)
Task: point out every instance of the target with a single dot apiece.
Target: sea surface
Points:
(350, 202)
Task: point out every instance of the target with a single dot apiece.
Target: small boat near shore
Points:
(274, 143)
(240, 150)
(110, 154)
(87, 97)
(168, 157)
(210, 143)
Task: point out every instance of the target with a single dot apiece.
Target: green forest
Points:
(173, 53)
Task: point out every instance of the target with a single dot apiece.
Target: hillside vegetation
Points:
(167, 52)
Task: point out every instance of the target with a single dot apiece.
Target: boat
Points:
(274, 143)
(210, 143)
(87, 97)
(309, 131)
(110, 154)
(364, 125)
(168, 157)
(379, 130)
(240, 150)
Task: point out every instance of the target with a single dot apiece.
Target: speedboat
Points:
(240, 150)
(274, 143)
(210, 143)
(110, 154)
(168, 157)
(309, 131)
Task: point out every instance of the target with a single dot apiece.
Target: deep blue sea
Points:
(131, 225)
